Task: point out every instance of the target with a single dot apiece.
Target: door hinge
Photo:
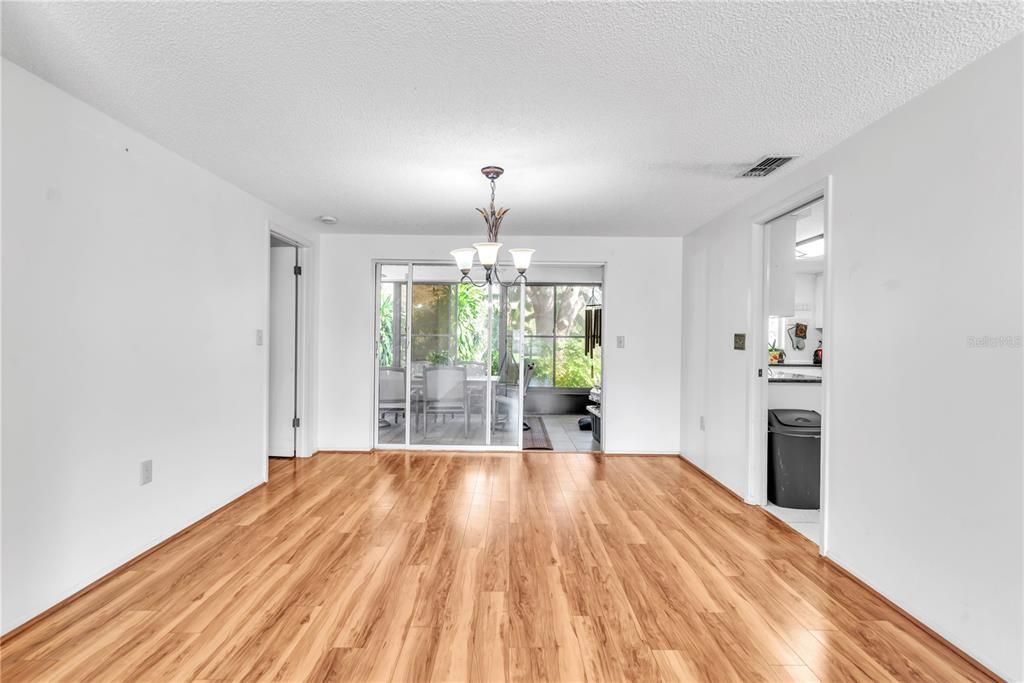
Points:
(296, 423)
(297, 270)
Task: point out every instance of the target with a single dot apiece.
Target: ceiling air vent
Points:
(766, 166)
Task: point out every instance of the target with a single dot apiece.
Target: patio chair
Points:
(476, 392)
(445, 393)
(391, 394)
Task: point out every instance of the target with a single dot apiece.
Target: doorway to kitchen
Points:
(493, 367)
(788, 410)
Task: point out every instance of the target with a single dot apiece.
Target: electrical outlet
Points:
(259, 337)
(620, 342)
(146, 472)
(702, 423)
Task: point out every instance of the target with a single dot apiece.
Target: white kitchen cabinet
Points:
(804, 298)
(819, 301)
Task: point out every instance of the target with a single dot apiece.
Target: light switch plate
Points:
(739, 341)
(145, 472)
(259, 337)
(620, 342)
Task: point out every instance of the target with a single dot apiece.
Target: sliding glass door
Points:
(507, 365)
(448, 371)
(449, 350)
(392, 383)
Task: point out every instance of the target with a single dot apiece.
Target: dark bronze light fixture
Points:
(488, 251)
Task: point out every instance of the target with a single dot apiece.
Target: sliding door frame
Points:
(376, 270)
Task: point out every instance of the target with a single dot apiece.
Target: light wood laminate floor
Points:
(445, 567)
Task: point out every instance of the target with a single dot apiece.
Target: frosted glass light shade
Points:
(488, 252)
(464, 258)
(521, 257)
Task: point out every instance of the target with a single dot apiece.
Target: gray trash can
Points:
(794, 458)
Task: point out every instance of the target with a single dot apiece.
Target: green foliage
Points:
(386, 335)
(566, 365)
(438, 358)
(575, 368)
(543, 366)
(471, 323)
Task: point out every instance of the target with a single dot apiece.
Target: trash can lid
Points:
(805, 419)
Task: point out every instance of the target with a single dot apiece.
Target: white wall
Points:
(715, 306)
(642, 283)
(133, 285)
(925, 429)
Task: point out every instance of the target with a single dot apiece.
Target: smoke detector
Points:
(327, 220)
(766, 166)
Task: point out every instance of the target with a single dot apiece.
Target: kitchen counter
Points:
(790, 373)
(792, 378)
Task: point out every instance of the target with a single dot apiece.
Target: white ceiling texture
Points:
(628, 118)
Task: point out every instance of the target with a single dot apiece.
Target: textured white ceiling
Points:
(610, 118)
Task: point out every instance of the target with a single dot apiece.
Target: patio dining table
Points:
(475, 384)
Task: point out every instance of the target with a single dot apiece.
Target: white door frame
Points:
(757, 361)
(305, 351)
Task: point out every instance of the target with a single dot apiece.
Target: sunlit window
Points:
(554, 329)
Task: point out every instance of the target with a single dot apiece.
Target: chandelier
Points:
(488, 251)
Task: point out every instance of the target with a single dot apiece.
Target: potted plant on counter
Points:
(439, 358)
(775, 354)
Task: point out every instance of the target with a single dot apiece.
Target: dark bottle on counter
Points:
(817, 354)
